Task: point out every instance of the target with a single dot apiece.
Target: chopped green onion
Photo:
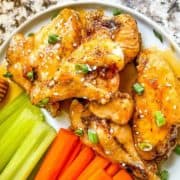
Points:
(138, 88)
(158, 35)
(164, 174)
(43, 102)
(82, 68)
(30, 75)
(54, 15)
(145, 146)
(79, 132)
(117, 12)
(53, 38)
(30, 34)
(92, 136)
(177, 149)
(159, 118)
(8, 75)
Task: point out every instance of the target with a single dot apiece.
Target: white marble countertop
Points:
(164, 12)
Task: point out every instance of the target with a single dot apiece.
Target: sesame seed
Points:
(55, 93)
(103, 101)
(51, 83)
(123, 164)
(107, 152)
(141, 116)
(82, 79)
(74, 44)
(168, 85)
(111, 130)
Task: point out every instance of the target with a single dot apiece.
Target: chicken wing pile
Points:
(88, 57)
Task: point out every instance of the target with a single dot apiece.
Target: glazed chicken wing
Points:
(123, 29)
(67, 58)
(115, 141)
(118, 149)
(72, 80)
(35, 54)
(157, 109)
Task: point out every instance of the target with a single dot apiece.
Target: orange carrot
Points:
(97, 163)
(78, 165)
(100, 174)
(112, 169)
(73, 155)
(122, 174)
(57, 155)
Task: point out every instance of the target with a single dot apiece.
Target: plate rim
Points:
(101, 3)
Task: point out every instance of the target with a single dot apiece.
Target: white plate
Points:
(146, 27)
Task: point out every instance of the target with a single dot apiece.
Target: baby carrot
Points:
(100, 175)
(73, 155)
(57, 155)
(112, 169)
(97, 163)
(78, 165)
(122, 174)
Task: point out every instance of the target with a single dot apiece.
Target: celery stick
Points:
(35, 156)
(34, 112)
(13, 137)
(36, 168)
(29, 153)
(5, 125)
(12, 107)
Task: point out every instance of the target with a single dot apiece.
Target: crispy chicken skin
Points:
(115, 141)
(97, 44)
(128, 36)
(119, 109)
(160, 94)
(82, 118)
(123, 29)
(67, 82)
(34, 53)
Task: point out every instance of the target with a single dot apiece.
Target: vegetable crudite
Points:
(24, 138)
(79, 162)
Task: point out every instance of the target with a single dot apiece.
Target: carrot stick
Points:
(73, 155)
(112, 169)
(97, 163)
(57, 155)
(100, 175)
(122, 174)
(78, 165)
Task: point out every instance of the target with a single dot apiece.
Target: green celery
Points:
(34, 112)
(5, 125)
(29, 153)
(35, 156)
(13, 137)
(36, 168)
(12, 107)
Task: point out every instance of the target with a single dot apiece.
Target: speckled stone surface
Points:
(164, 12)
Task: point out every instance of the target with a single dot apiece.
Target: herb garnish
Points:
(158, 35)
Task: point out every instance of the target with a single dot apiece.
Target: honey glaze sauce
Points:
(129, 74)
(173, 62)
